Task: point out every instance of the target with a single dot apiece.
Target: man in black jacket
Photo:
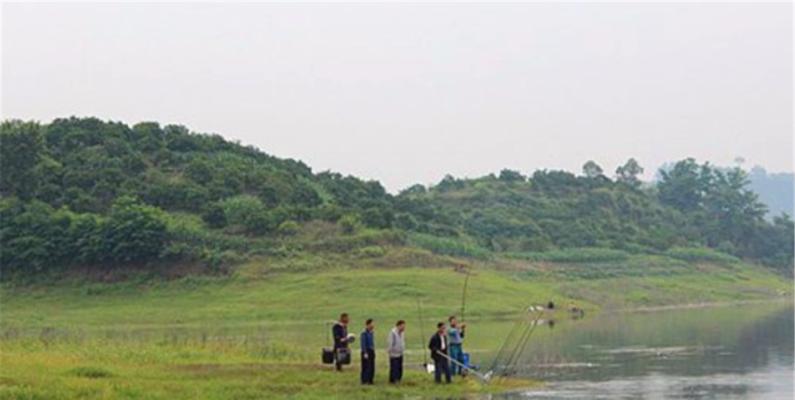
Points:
(439, 350)
(341, 350)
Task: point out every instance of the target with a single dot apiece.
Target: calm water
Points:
(741, 352)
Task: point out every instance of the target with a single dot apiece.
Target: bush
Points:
(349, 223)
(217, 260)
(371, 252)
(214, 216)
(239, 209)
(133, 232)
(288, 228)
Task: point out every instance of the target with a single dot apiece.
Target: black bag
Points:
(343, 356)
(328, 355)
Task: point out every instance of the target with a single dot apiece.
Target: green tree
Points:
(629, 172)
(349, 223)
(592, 170)
(214, 215)
(239, 209)
(21, 148)
(24, 235)
(684, 186)
(414, 189)
(133, 232)
(508, 175)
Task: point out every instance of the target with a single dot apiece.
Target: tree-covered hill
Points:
(86, 193)
(691, 206)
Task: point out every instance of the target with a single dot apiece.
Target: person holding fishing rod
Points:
(439, 353)
(456, 334)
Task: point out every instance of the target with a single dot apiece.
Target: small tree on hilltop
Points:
(592, 170)
(628, 173)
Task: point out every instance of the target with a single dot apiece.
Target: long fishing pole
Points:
(422, 334)
(482, 377)
(522, 349)
(515, 354)
(464, 295)
(519, 350)
(508, 339)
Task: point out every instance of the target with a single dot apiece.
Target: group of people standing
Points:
(446, 347)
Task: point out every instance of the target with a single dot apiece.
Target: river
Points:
(727, 352)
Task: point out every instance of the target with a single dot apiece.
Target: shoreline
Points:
(708, 304)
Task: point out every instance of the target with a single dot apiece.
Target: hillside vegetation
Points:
(260, 253)
(81, 194)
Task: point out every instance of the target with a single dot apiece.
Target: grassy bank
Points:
(258, 333)
(93, 367)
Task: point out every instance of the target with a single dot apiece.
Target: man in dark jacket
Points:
(439, 350)
(340, 333)
(368, 353)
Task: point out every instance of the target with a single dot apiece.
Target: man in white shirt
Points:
(396, 345)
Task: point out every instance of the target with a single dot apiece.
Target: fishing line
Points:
(508, 339)
(524, 338)
(522, 349)
(523, 345)
(515, 350)
(422, 334)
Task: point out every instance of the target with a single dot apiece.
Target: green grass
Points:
(258, 333)
(191, 369)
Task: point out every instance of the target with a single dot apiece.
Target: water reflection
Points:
(712, 353)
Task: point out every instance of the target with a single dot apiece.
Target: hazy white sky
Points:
(406, 93)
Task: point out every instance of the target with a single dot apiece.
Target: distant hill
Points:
(87, 193)
(775, 189)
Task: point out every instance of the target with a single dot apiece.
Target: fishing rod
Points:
(515, 355)
(422, 334)
(520, 348)
(483, 377)
(508, 339)
(464, 295)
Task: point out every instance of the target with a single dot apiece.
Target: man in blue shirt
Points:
(456, 336)
(368, 353)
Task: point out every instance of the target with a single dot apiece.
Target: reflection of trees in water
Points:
(683, 342)
(768, 340)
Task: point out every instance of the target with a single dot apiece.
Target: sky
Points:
(407, 93)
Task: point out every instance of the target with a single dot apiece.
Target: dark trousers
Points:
(368, 366)
(441, 366)
(338, 356)
(395, 369)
